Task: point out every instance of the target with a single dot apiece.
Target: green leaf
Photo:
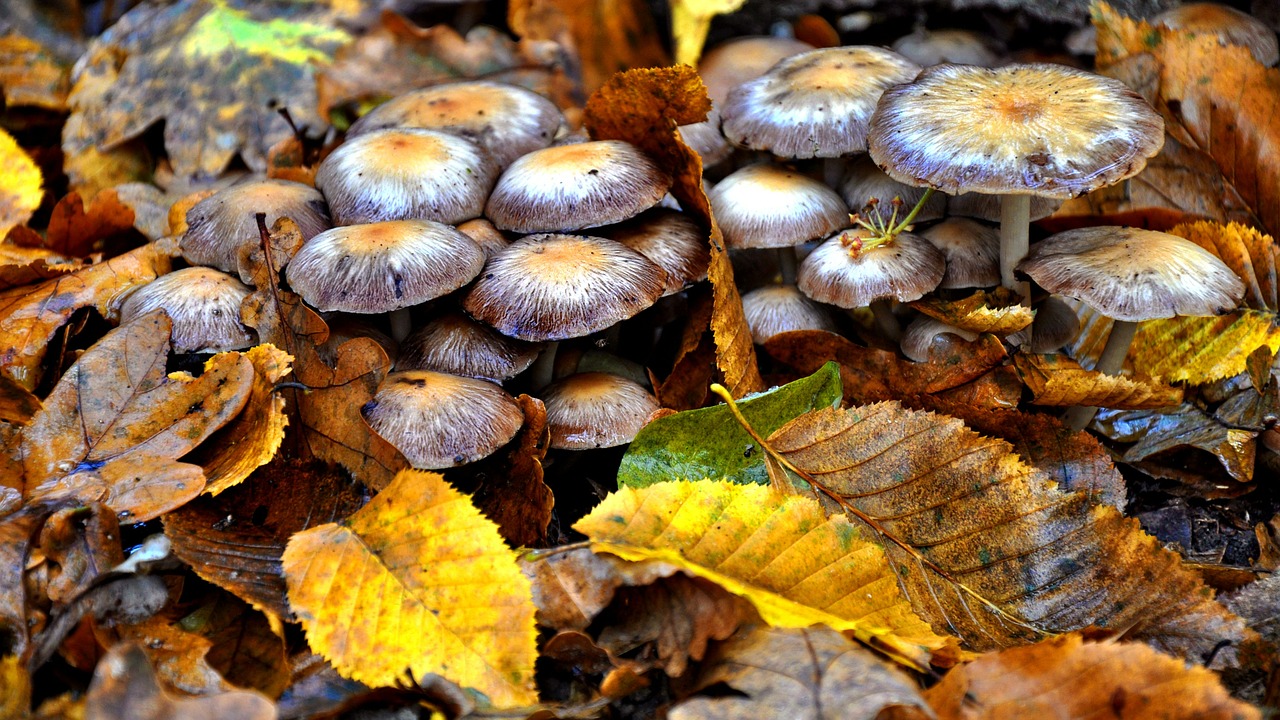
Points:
(709, 443)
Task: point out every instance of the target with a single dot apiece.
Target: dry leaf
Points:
(78, 544)
(177, 655)
(1249, 253)
(799, 674)
(243, 647)
(17, 535)
(776, 551)
(1068, 677)
(978, 521)
(23, 186)
(31, 75)
(17, 404)
(124, 686)
(685, 387)
(1259, 604)
(115, 424)
(570, 588)
(1060, 381)
(416, 580)
(77, 231)
(28, 263)
(29, 316)
(999, 313)
(644, 107)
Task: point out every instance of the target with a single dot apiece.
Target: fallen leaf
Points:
(1059, 381)
(243, 647)
(644, 107)
(78, 544)
(115, 424)
(690, 22)
(799, 674)
(991, 549)
(685, 387)
(23, 187)
(177, 655)
(24, 264)
(15, 687)
(777, 551)
(1259, 604)
(30, 316)
(709, 442)
(1155, 432)
(124, 685)
(417, 579)
(77, 231)
(1249, 253)
(1069, 677)
(999, 313)
(18, 532)
(31, 75)
(17, 404)
(571, 587)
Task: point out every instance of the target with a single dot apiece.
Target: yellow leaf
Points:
(1249, 253)
(1201, 350)
(416, 580)
(21, 191)
(780, 552)
(999, 313)
(251, 440)
(1058, 380)
(690, 21)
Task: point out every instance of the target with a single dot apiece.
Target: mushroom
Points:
(918, 338)
(1131, 275)
(674, 241)
(596, 410)
(926, 47)
(219, 225)
(972, 251)
(863, 181)
(204, 305)
(454, 343)
(775, 309)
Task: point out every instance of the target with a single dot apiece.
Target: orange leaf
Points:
(76, 230)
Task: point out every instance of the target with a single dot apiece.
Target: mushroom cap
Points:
(972, 251)
(204, 305)
(1134, 275)
(733, 62)
(1032, 129)
(454, 343)
(706, 139)
(596, 410)
(570, 187)
(219, 225)
(505, 120)
(775, 309)
(935, 47)
(385, 266)
(770, 206)
(1056, 324)
(406, 174)
(987, 207)
(555, 287)
(438, 421)
(903, 270)
(863, 180)
(1230, 25)
(815, 104)
(674, 241)
(918, 338)
(488, 237)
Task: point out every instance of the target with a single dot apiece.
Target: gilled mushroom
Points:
(596, 410)
(775, 309)
(934, 47)
(918, 338)
(972, 251)
(864, 182)
(671, 239)
(204, 305)
(454, 343)
(219, 225)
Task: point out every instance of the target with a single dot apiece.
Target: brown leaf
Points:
(1259, 604)
(17, 404)
(685, 387)
(605, 36)
(243, 647)
(1068, 677)
(115, 424)
(235, 540)
(77, 231)
(17, 535)
(29, 316)
(644, 107)
(1058, 380)
(571, 588)
(79, 544)
(31, 75)
(178, 656)
(978, 520)
(1186, 425)
(811, 674)
(124, 686)
(27, 263)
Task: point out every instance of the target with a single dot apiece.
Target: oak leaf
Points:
(77, 230)
(990, 549)
(24, 264)
(22, 190)
(998, 312)
(1059, 381)
(417, 579)
(778, 551)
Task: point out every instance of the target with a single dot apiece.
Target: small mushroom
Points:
(596, 410)
(864, 182)
(672, 240)
(775, 309)
(219, 225)
(972, 251)
(204, 305)
(454, 343)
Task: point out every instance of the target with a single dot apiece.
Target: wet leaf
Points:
(1069, 677)
(644, 107)
(177, 655)
(800, 674)
(979, 523)
(1059, 381)
(17, 536)
(999, 312)
(417, 579)
(124, 685)
(115, 424)
(23, 186)
(29, 316)
(778, 551)
(17, 404)
(1184, 426)
(690, 21)
(709, 442)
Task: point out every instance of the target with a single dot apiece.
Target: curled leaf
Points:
(1060, 381)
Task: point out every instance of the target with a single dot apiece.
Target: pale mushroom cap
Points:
(438, 421)
(554, 287)
(488, 237)
(863, 180)
(1134, 275)
(769, 206)
(672, 240)
(904, 270)
(972, 251)
(775, 309)
(1034, 129)
(380, 267)
(406, 174)
(570, 187)
(505, 120)
(204, 305)
(816, 104)
(454, 343)
(706, 139)
(219, 225)
(731, 63)
(934, 47)
(987, 207)
(917, 339)
(1230, 25)
(596, 410)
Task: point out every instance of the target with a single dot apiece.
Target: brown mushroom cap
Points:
(1034, 129)
(596, 410)
(1230, 25)
(1134, 275)
(570, 187)
(706, 139)
(903, 270)
(505, 120)
(731, 63)
(672, 240)
(555, 287)
(437, 420)
(219, 225)
(488, 237)
(454, 343)
(863, 181)
(770, 206)
(972, 251)
(380, 267)
(204, 305)
(815, 104)
(935, 47)
(775, 309)
(406, 174)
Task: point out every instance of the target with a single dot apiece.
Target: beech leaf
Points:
(22, 190)
(998, 312)
(1060, 381)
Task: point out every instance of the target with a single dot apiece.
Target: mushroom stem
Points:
(401, 324)
(787, 265)
(543, 370)
(882, 309)
(1109, 362)
(1015, 231)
